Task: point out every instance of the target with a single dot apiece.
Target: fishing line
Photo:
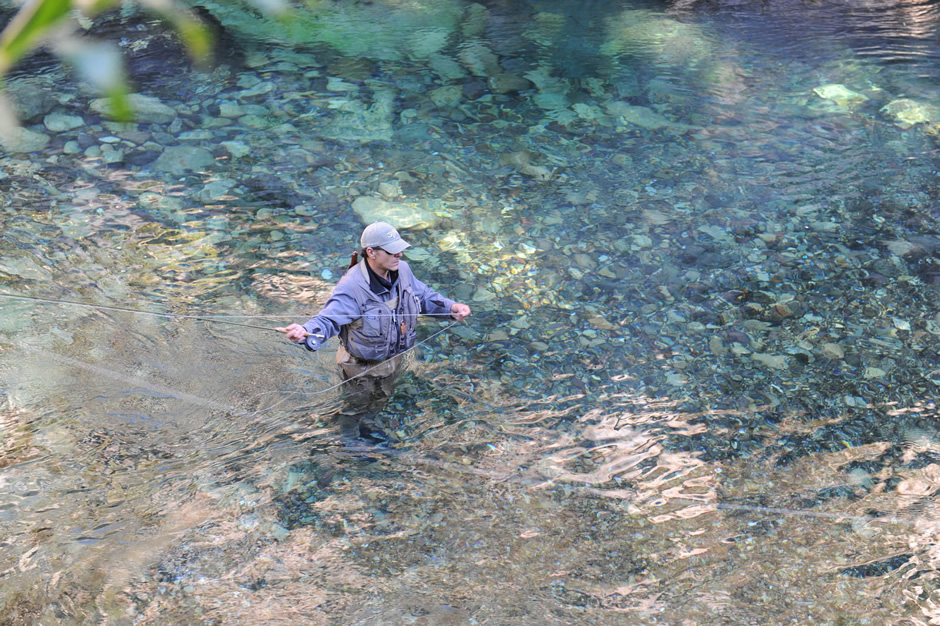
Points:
(773, 510)
(225, 319)
(106, 307)
(287, 317)
(137, 381)
(213, 405)
(364, 372)
(222, 319)
(293, 394)
(143, 383)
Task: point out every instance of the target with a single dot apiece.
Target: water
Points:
(698, 385)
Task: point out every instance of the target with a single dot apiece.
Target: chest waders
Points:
(370, 353)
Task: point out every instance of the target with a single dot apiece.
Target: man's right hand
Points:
(294, 332)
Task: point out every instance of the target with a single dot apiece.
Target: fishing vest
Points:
(385, 327)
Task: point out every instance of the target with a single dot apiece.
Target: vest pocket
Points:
(372, 324)
(370, 340)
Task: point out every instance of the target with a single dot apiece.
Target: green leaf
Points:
(196, 37)
(121, 110)
(32, 22)
(192, 31)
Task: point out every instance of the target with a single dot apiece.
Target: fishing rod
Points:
(220, 319)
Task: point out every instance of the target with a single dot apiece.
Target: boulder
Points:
(411, 215)
(906, 112)
(30, 102)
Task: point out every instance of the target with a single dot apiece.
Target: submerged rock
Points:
(374, 31)
(774, 361)
(178, 160)
(644, 117)
(355, 122)
(906, 112)
(840, 94)
(145, 108)
(29, 100)
(237, 149)
(60, 122)
(418, 215)
(19, 140)
(832, 351)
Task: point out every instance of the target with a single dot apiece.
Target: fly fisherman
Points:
(374, 309)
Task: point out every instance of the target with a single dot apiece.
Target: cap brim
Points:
(396, 246)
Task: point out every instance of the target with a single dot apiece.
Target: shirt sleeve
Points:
(339, 310)
(432, 303)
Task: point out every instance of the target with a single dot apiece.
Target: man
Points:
(374, 309)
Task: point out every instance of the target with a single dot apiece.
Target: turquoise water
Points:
(699, 384)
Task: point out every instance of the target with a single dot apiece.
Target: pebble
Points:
(237, 149)
(110, 155)
(200, 134)
(257, 122)
(60, 122)
(775, 361)
(832, 351)
(598, 321)
(146, 108)
(717, 346)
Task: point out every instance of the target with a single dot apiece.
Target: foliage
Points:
(53, 22)
(385, 31)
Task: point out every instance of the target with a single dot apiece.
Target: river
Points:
(701, 245)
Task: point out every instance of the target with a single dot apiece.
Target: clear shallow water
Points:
(699, 383)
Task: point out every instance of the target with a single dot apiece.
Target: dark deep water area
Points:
(701, 241)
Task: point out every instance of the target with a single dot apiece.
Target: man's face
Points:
(385, 262)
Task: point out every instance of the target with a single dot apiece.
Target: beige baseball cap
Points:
(382, 235)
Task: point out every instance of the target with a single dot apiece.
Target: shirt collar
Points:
(378, 284)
